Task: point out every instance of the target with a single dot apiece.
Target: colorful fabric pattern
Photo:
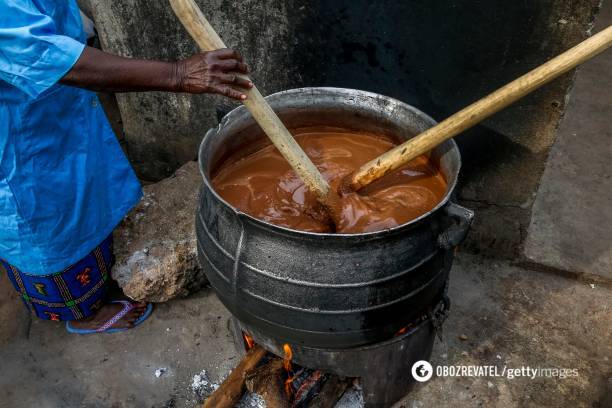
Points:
(74, 293)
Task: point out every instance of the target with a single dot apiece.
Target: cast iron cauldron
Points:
(326, 290)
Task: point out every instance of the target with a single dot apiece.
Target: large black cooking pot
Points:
(326, 290)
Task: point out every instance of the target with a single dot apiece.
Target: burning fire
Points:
(404, 330)
(288, 368)
(409, 327)
(248, 341)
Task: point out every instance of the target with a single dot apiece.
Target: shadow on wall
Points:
(438, 56)
(441, 56)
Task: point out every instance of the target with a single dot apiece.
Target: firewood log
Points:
(267, 381)
(331, 391)
(230, 392)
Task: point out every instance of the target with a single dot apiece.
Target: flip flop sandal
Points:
(106, 327)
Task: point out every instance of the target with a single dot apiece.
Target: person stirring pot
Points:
(65, 183)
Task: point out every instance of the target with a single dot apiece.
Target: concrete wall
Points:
(438, 56)
(163, 130)
(571, 222)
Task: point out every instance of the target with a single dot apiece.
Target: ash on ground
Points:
(352, 398)
(202, 386)
(251, 401)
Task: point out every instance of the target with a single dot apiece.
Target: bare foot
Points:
(106, 312)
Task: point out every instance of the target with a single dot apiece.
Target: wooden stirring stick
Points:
(207, 38)
(480, 110)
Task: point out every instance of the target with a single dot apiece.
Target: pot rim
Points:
(337, 90)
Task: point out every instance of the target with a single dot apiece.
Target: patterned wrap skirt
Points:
(74, 293)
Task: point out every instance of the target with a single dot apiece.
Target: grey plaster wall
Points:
(163, 130)
(571, 223)
(438, 56)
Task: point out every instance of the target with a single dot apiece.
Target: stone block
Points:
(155, 245)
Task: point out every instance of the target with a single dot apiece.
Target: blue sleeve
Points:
(33, 56)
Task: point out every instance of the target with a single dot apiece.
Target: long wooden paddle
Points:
(207, 39)
(480, 110)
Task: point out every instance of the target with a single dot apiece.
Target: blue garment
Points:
(77, 292)
(64, 180)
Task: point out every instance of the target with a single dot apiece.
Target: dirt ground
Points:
(506, 315)
(502, 315)
(515, 318)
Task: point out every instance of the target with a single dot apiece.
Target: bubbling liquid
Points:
(263, 185)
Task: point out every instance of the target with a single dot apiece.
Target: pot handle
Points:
(461, 219)
(438, 315)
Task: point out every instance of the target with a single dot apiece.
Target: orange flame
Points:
(248, 340)
(287, 364)
(404, 330)
(288, 357)
(401, 331)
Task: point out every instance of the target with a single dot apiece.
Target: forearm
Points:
(99, 71)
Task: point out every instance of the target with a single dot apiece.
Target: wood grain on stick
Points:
(480, 110)
(207, 39)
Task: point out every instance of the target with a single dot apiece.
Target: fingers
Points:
(227, 59)
(232, 65)
(227, 53)
(229, 92)
(235, 80)
(220, 71)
